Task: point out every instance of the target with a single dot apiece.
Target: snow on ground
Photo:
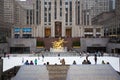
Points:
(17, 61)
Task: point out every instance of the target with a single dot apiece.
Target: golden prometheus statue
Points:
(58, 44)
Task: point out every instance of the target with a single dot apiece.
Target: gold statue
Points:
(58, 44)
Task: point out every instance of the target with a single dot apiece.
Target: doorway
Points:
(58, 29)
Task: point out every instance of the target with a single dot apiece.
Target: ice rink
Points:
(18, 61)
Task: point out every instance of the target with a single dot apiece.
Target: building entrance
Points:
(69, 32)
(47, 32)
(58, 29)
(21, 50)
(96, 49)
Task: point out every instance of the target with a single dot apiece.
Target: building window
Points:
(78, 14)
(88, 29)
(49, 17)
(60, 2)
(70, 11)
(45, 19)
(45, 9)
(16, 29)
(37, 3)
(55, 9)
(16, 35)
(27, 17)
(60, 12)
(45, 14)
(45, 3)
(66, 3)
(27, 35)
(31, 17)
(27, 29)
(49, 6)
(98, 30)
(37, 21)
(66, 14)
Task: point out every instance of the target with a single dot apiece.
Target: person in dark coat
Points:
(31, 62)
(95, 58)
(26, 63)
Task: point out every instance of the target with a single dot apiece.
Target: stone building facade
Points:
(60, 18)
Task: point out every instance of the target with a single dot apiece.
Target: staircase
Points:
(57, 72)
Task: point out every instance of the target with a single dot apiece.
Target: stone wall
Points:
(3, 48)
(111, 46)
(21, 42)
(93, 42)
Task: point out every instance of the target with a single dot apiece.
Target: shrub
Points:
(76, 43)
(40, 43)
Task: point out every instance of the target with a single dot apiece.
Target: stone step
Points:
(57, 72)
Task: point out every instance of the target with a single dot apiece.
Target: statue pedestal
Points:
(63, 49)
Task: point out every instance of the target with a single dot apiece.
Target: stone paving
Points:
(67, 72)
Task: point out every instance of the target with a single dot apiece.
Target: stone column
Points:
(102, 31)
(94, 32)
(52, 19)
(41, 28)
(73, 19)
(63, 19)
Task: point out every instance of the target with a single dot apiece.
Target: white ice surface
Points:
(17, 61)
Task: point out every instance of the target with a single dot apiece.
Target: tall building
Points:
(9, 9)
(110, 20)
(1, 12)
(118, 16)
(19, 15)
(3, 28)
(92, 8)
(60, 18)
(117, 7)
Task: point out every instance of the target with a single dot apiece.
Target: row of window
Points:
(23, 36)
(23, 29)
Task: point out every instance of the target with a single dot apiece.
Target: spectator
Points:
(42, 57)
(62, 61)
(84, 62)
(35, 61)
(26, 63)
(47, 63)
(88, 62)
(31, 62)
(95, 58)
(107, 63)
(59, 56)
(87, 55)
(74, 62)
(102, 53)
(103, 62)
(44, 64)
(4, 54)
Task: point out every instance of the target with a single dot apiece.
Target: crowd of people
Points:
(31, 62)
(62, 61)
